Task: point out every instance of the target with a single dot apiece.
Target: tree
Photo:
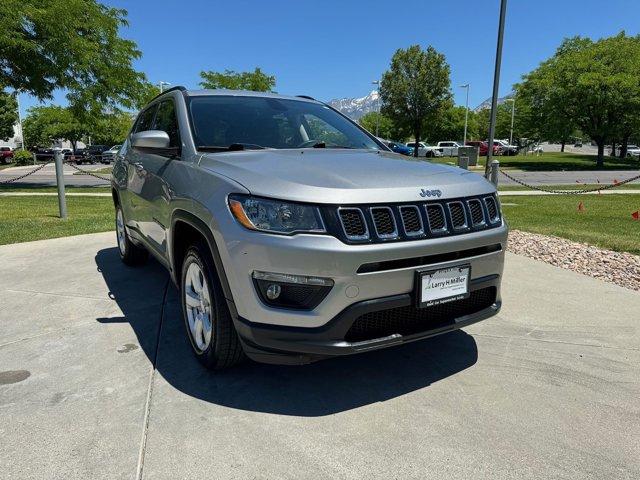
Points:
(386, 127)
(448, 124)
(8, 115)
(594, 85)
(415, 88)
(68, 44)
(45, 125)
(111, 128)
(256, 81)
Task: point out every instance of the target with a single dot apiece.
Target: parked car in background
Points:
(109, 156)
(425, 150)
(448, 148)
(483, 147)
(77, 156)
(93, 153)
(578, 144)
(633, 151)
(6, 154)
(507, 149)
(398, 147)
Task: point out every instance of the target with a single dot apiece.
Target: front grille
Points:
(492, 209)
(435, 213)
(411, 220)
(458, 215)
(390, 223)
(410, 320)
(477, 214)
(384, 222)
(353, 223)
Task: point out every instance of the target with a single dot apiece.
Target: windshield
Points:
(264, 122)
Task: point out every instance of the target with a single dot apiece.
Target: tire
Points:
(429, 155)
(208, 308)
(130, 254)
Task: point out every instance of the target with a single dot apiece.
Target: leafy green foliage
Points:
(387, 128)
(591, 85)
(415, 88)
(43, 125)
(448, 124)
(111, 129)
(257, 80)
(22, 157)
(69, 44)
(8, 115)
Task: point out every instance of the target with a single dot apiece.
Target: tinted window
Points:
(220, 121)
(167, 122)
(145, 120)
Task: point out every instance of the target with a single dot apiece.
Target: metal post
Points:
(17, 94)
(377, 83)
(495, 168)
(496, 84)
(62, 202)
(466, 114)
(513, 111)
(463, 162)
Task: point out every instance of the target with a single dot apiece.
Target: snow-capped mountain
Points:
(355, 108)
(487, 103)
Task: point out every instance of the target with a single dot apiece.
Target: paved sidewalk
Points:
(97, 381)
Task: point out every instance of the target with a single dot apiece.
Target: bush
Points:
(23, 157)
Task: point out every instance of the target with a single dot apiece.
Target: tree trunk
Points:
(600, 159)
(562, 144)
(74, 144)
(613, 148)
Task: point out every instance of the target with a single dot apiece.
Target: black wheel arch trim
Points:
(199, 225)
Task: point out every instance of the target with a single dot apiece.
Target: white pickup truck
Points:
(449, 149)
(425, 150)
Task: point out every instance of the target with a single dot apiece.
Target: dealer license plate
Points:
(442, 286)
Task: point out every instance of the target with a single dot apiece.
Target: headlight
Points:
(275, 216)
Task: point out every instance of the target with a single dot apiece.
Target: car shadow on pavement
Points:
(318, 389)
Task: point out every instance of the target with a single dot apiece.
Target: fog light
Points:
(273, 291)
(284, 290)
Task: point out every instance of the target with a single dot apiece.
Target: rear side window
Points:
(145, 120)
(167, 122)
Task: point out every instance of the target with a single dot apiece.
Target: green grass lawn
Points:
(605, 222)
(99, 171)
(23, 219)
(554, 161)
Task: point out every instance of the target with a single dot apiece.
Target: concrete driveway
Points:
(97, 381)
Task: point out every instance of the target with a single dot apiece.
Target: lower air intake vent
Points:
(353, 223)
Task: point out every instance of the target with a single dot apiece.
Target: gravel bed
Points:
(616, 267)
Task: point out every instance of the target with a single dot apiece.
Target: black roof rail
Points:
(307, 97)
(177, 87)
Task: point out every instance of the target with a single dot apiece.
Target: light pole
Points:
(377, 83)
(513, 111)
(496, 84)
(466, 114)
(162, 85)
(17, 95)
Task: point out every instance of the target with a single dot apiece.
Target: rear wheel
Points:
(430, 154)
(206, 315)
(130, 254)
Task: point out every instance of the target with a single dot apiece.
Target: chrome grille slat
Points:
(384, 222)
(411, 220)
(458, 215)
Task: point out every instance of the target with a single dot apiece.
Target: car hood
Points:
(342, 176)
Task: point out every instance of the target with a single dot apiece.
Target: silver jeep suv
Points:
(295, 235)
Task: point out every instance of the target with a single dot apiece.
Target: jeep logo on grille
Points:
(430, 193)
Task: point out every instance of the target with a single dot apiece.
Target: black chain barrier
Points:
(40, 167)
(569, 192)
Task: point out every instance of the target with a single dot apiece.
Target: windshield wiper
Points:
(234, 147)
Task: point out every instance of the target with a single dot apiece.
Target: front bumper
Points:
(291, 345)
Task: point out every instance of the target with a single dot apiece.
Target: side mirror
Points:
(150, 139)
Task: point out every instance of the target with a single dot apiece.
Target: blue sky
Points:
(333, 49)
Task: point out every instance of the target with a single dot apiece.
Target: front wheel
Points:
(206, 315)
(430, 155)
(130, 254)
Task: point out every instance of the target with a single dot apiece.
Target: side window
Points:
(145, 120)
(167, 122)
